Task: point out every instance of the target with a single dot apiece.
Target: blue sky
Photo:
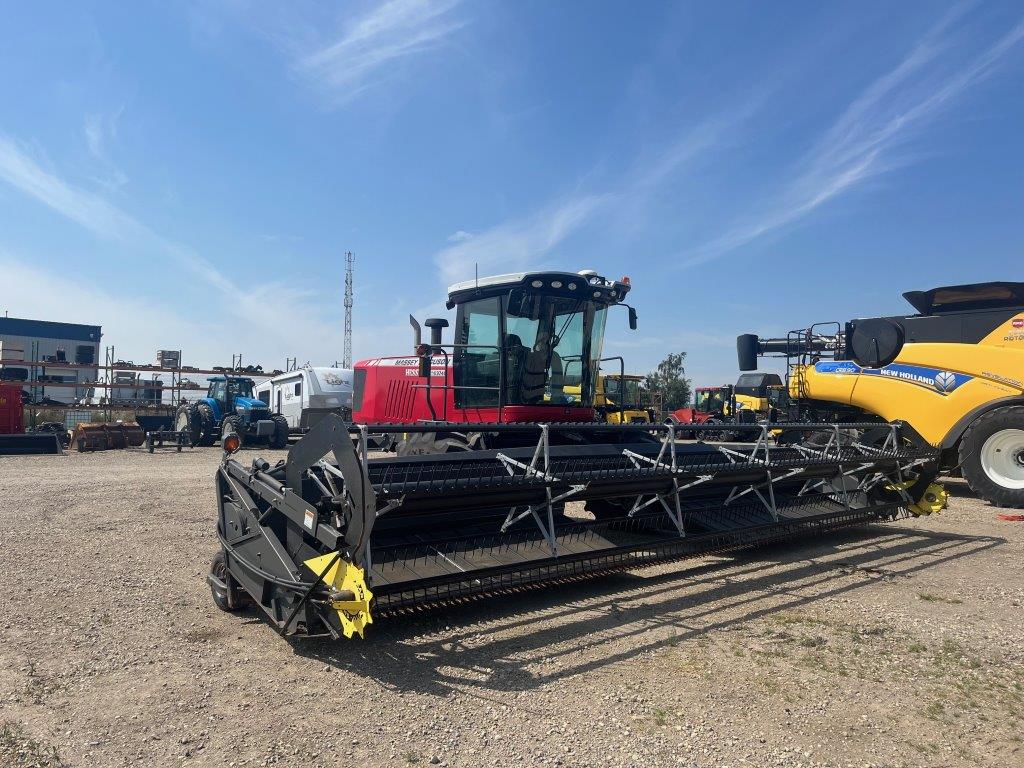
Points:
(190, 174)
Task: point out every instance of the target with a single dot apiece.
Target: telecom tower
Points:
(347, 359)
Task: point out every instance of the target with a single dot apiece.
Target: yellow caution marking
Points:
(934, 499)
(348, 581)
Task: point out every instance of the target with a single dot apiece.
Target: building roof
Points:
(44, 329)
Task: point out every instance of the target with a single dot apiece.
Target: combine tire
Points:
(228, 598)
(193, 420)
(233, 424)
(992, 456)
(280, 437)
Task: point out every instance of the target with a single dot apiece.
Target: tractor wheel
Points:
(233, 424)
(209, 428)
(189, 419)
(280, 437)
(230, 599)
(992, 456)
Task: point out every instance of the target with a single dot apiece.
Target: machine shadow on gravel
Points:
(501, 647)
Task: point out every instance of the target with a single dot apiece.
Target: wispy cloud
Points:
(281, 314)
(527, 242)
(372, 46)
(99, 130)
(22, 170)
(861, 144)
(515, 245)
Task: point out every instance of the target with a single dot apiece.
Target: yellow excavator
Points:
(953, 372)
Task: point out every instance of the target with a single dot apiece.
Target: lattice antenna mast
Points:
(347, 358)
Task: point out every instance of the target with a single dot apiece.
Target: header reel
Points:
(330, 538)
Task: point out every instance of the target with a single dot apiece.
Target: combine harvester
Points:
(484, 501)
(952, 373)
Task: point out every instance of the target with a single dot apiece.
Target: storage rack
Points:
(177, 385)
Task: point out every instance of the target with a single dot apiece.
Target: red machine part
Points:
(12, 411)
(393, 393)
(689, 416)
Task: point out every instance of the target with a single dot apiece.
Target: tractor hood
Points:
(249, 404)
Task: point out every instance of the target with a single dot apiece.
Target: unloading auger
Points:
(330, 538)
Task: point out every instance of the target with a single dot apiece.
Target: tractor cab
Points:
(233, 394)
(716, 401)
(527, 348)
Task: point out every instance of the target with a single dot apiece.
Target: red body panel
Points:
(393, 393)
(12, 412)
(690, 416)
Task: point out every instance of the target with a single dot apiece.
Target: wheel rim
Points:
(1002, 458)
(181, 423)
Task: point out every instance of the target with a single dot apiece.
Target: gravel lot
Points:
(895, 645)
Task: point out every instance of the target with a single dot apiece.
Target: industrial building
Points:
(55, 362)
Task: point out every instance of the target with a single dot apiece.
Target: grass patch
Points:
(19, 750)
(790, 619)
(412, 758)
(928, 597)
(660, 717)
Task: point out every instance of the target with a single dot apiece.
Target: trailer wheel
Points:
(227, 599)
(992, 456)
(280, 437)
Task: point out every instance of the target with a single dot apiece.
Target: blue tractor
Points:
(229, 406)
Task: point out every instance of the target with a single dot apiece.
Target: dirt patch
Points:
(889, 645)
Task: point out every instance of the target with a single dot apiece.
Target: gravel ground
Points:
(891, 645)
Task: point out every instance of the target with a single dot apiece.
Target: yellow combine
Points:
(952, 373)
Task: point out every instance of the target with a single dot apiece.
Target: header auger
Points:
(330, 538)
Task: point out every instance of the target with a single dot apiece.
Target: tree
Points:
(670, 382)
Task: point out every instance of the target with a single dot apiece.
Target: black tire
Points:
(280, 437)
(233, 424)
(189, 419)
(231, 600)
(990, 467)
(210, 433)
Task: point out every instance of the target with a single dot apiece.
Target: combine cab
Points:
(509, 483)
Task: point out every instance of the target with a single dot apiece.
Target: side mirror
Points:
(632, 319)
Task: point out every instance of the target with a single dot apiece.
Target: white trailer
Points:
(306, 395)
